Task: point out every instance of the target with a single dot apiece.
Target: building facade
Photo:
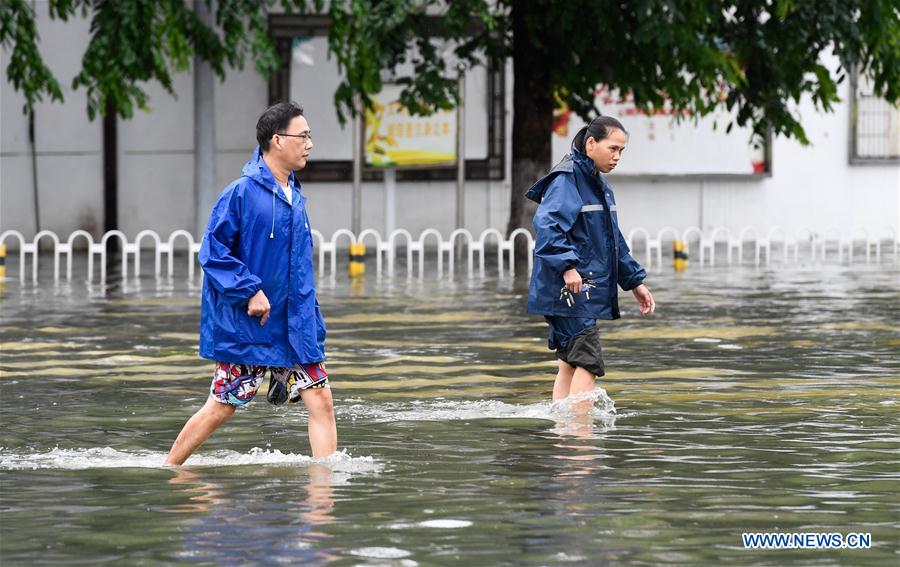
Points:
(848, 177)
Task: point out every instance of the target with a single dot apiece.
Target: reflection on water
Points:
(218, 529)
(203, 495)
(752, 401)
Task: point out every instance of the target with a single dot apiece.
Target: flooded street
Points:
(754, 400)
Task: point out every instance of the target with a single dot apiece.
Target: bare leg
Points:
(198, 429)
(322, 426)
(582, 381)
(563, 380)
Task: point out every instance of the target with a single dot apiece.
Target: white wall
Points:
(156, 150)
(68, 146)
(419, 206)
(811, 187)
(155, 159)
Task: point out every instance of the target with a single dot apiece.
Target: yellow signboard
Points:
(394, 138)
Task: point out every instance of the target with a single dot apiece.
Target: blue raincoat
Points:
(576, 226)
(255, 241)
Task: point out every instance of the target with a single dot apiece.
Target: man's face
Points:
(294, 143)
(607, 152)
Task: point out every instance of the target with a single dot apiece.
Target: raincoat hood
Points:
(575, 160)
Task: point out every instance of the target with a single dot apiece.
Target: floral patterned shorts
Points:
(237, 384)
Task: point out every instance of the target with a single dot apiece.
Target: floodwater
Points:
(754, 400)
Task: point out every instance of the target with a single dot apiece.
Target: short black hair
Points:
(274, 120)
(598, 129)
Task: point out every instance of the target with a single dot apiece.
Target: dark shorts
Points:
(577, 343)
(237, 384)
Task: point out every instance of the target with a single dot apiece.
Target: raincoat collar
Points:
(585, 169)
(257, 170)
(583, 162)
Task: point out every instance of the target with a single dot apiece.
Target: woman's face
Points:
(607, 152)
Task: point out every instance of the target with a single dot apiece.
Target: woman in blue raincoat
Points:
(581, 256)
(259, 312)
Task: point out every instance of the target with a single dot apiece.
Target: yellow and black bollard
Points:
(357, 266)
(680, 256)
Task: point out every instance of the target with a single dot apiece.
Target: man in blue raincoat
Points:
(581, 255)
(259, 312)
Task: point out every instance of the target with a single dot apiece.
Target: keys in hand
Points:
(586, 287)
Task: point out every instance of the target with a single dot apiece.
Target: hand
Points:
(259, 307)
(644, 299)
(573, 280)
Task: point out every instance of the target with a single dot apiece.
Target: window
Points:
(874, 125)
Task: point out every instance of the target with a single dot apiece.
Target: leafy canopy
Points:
(133, 42)
(758, 58)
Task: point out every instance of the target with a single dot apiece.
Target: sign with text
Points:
(660, 144)
(394, 138)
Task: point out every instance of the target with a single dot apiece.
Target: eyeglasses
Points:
(304, 137)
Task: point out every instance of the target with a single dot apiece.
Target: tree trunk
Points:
(532, 114)
(111, 183)
(110, 168)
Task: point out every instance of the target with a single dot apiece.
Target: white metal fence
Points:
(833, 244)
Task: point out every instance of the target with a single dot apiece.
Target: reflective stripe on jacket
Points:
(257, 240)
(576, 226)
